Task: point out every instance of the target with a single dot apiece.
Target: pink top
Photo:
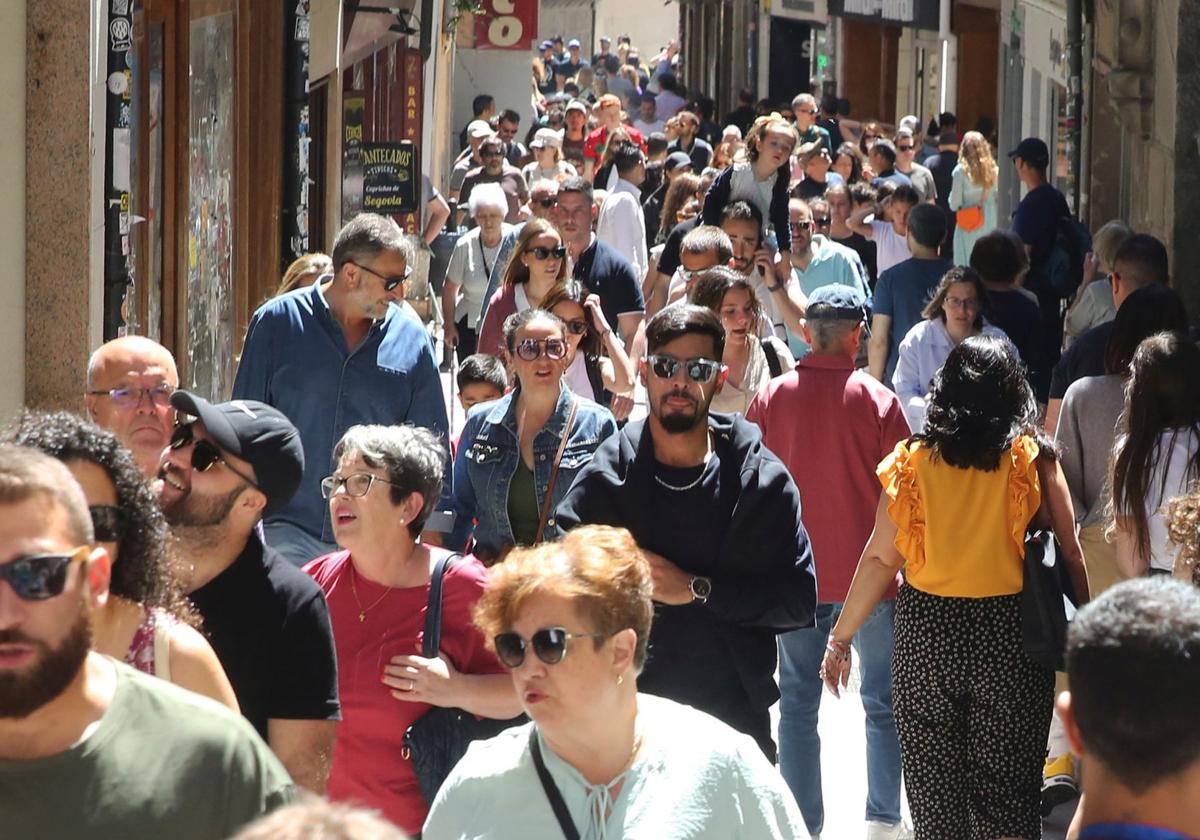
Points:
(491, 331)
(368, 769)
(141, 650)
(832, 425)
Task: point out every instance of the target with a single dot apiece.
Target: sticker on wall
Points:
(120, 7)
(118, 83)
(120, 32)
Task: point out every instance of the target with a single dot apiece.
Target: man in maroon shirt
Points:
(832, 425)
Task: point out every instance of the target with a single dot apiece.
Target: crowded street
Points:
(534, 419)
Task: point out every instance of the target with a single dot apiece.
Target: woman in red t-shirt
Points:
(387, 481)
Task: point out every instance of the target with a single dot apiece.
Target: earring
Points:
(402, 522)
(620, 679)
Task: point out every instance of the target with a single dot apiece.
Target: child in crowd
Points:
(481, 378)
(889, 229)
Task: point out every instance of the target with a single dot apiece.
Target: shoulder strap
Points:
(562, 445)
(773, 363)
(552, 792)
(431, 639)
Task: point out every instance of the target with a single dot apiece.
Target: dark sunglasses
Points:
(540, 253)
(531, 348)
(803, 224)
(204, 454)
(545, 202)
(389, 283)
(490, 153)
(579, 327)
(905, 148)
(698, 370)
(822, 221)
(36, 577)
(108, 522)
(549, 644)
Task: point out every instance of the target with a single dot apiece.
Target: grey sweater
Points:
(1086, 432)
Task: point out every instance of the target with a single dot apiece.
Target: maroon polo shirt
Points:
(832, 425)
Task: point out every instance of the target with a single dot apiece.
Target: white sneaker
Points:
(885, 831)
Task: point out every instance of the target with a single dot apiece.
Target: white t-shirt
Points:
(890, 247)
(1169, 478)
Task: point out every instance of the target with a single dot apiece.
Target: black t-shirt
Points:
(1085, 357)
(269, 625)
(865, 248)
(741, 117)
(608, 274)
(942, 166)
(669, 262)
(808, 188)
(1019, 316)
(1036, 222)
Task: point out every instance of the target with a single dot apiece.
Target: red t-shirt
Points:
(594, 144)
(832, 425)
(368, 769)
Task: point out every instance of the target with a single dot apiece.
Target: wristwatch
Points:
(701, 588)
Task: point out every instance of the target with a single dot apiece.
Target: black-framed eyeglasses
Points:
(389, 283)
(697, 370)
(540, 253)
(205, 454)
(36, 577)
(530, 349)
(160, 395)
(577, 327)
(549, 645)
(356, 484)
(108, 522)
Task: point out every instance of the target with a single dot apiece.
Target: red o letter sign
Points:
(506, 25)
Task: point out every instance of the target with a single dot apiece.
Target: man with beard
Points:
(495, 170)
(718, 517)
(129, 383)
(89, 747)
(267, 620)
(333, 355)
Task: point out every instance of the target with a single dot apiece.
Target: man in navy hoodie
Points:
(717, 515)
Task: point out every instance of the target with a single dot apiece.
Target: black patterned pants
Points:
(972, 712)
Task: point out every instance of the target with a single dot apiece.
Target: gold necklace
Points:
(362, 611)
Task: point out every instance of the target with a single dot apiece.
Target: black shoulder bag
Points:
(1043, 610)
(552, 792)
(436, 741)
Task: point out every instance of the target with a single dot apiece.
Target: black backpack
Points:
(1064, 266)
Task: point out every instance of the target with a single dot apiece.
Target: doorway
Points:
(790, 69)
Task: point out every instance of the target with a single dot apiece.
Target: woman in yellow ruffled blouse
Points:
(972, 710)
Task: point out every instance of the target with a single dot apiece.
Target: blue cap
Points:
(836, 302)
(1033, 151)
(546, 45)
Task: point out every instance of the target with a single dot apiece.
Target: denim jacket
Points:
(487, 458)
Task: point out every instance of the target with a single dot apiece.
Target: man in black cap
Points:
(676, 164)
(268, 622)
(1036, 222)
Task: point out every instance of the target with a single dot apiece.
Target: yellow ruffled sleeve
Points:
(1024, 489)
(897, 473)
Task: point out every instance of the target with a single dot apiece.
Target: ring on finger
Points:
(411, 685)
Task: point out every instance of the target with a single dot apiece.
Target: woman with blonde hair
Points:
(571, 621)
(1094, 304)
(537, 267)
(973, 194)
(304, 271)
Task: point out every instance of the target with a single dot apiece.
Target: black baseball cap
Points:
(1033, 151)
(677, 159)
(260, 435)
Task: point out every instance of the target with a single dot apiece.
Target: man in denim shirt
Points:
(335, 355)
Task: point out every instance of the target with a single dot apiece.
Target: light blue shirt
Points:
(694, 777)
(832, 263)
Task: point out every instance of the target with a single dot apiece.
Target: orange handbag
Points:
(971, 218)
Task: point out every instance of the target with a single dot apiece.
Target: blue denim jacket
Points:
(487, 458)
(296, 359)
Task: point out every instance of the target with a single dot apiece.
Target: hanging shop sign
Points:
(919, 14)
(506, 25)
(391, 178)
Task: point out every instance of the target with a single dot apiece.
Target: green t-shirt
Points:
(163, 762)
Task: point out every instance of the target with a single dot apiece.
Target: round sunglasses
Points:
(530, 349)
(549, 645)
(697, 370)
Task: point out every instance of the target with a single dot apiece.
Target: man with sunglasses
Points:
(129, 385)
(717, 515)
(268, 621)
(337, 354)
(89, 747)
(907, 147)
(495, 170)
(804, 107)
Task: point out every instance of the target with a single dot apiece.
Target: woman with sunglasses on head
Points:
(470, 267)
(147, 621)
(953, 314)
(518, 455)
(590, 373)
(387, 481)
(537, 266)
(571, 621)
(752, 361)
